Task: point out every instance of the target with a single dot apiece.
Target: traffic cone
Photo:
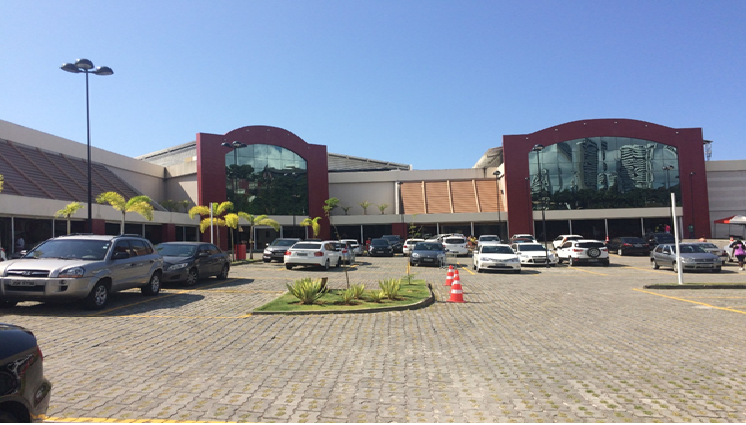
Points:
(457, 293)
(455, 274)
(607, 239)
(449, 276)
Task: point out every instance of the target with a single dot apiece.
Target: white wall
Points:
(726, 188)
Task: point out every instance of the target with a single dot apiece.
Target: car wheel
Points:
(8, 418)
(675, 268)
(517, 271)
(606, 263)
(267, 261)
(192, 277)
(716, 270)
(619, 252)
(339, 263)
(474, 266)
(98, 297)
(7, 304)
(224, 273)
(560, 260)
(289, 266)
(479, 270)
(326, 265)
(154, 285)
(655, 265)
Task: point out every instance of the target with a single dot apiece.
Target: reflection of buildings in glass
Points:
(635, 166)
(588, 165)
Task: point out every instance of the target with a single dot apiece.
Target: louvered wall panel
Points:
(464, 199)
(54, 179)
(487, 192)
(411, 198)
(22, 183)
(437, 197)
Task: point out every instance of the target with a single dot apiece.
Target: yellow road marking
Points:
(586, 271)
(668, 272)
(690, 301)
(128, 421)
(146, 316)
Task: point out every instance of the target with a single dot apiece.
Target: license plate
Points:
(499, 264)
(428, 260)
(638, 245)
(22, 283)
(592, 260)
(302, 254)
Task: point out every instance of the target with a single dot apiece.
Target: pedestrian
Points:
(20, 243)
(702, 238)
(739, 250)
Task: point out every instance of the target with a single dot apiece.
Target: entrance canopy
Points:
(735, 219)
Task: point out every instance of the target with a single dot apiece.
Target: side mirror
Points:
(203, 254)
(120, 255)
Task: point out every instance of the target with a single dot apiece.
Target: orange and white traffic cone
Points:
(449, 277)
(457, 293)
(455, 274)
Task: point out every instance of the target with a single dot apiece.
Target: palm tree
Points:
(2, 180)
(68, 211)
(382, 207)
(314, 223)
(346, 209)
(140, 204)
(218, 209)
(260, 220)
(365, 205)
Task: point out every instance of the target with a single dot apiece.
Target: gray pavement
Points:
(580, 344)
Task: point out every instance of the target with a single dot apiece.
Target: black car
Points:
(24, 391)
(187, 262)
(427, 254)
(627, 245)
(276, 250)
(396, 242)
(657, 238)
(381, 248)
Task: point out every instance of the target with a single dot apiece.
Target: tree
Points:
(329, 205)
(382, 207)
(2, 180)
(218, 209)
(346, 209)
(313, 223)
(140, 204)
(68, 212)
(260, 220)
(365, 205)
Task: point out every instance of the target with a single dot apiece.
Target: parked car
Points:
(427, 254)
(187, 262)
(712, 249)
(24, 391)
(356, 247)
(495, 256)
(693, 257)
(82, 267)
(488, 238)
(409, 244)
(583, 251)
(456, 245)
(561, 239)
(657, 238)
(304, 253)
(627, 245)
(514, 241)
(396, 242)
(439, 237)
(534, 253)
(524, 236)
(276, 250)
(346, 256)
(380, 248)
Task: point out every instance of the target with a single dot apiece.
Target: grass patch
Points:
(409, 293)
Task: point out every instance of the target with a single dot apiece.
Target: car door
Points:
(122, 266)
(207, 264)
(564, 250)
(217, 258)
(667, 257)
(142, 262)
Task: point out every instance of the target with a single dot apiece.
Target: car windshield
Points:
(392, 238)
(530, 247)
(455, 241)
(590, 245)
(573, 238)
(665, 238)
(428, 246)
(306, 245)
(688, 249)
(709, 246)
(489, 249)
(74, 249)
(379, 242)
(632, 240)
(176, 250)
(283, 242)
(488, 238)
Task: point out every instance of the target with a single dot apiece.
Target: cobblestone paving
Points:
(580, 344)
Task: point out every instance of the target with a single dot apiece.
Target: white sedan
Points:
(495, 256)
(312, 254)
(409, 245)
(534, 253)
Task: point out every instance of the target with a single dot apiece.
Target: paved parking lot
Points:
(580, 344)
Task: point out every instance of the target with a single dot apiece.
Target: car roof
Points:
(587, 240)
(183, 243)
(493, 243)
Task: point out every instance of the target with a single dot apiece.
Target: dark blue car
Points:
(24, 391)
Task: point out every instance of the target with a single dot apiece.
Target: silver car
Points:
(693, 257)
(81, 267)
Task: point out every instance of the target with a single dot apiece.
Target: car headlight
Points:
(687, 260)
(512, 260)
(267, 251)
(177, 266)
(72, 272)
(415, 255)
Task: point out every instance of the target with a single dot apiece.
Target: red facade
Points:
(691, 159)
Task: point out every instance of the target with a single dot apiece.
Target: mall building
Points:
(598, 178)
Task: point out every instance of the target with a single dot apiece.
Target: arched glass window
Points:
(604, 172)
(266, 179)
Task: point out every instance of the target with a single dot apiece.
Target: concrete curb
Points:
(694, 286)
(415, 306)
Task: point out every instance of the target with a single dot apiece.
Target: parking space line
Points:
(586, 271)
(161, 316)
(651, 270)
(127, 421)
(690, 301)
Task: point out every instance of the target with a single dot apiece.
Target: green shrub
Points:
(390, 287)
(307, 290)
(357, 291)
(376, 296)
(347, 296)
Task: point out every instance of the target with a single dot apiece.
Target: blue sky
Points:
(429, 83)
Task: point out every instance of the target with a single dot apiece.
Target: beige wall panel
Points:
(464, 198)
(350, 195)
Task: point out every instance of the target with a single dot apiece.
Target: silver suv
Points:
(81, 267)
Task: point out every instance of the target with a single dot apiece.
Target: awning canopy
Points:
(735, 219)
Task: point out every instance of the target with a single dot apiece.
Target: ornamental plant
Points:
(376, 296)
(357, 291)
(390, 288)
(307, 290)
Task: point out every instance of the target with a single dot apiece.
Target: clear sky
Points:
(429, 83)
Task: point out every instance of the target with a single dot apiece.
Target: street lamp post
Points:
(498, 176)
(85, 66)
(538, 149)
(691, 200)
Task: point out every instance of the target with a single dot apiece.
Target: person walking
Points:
(739, 251)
